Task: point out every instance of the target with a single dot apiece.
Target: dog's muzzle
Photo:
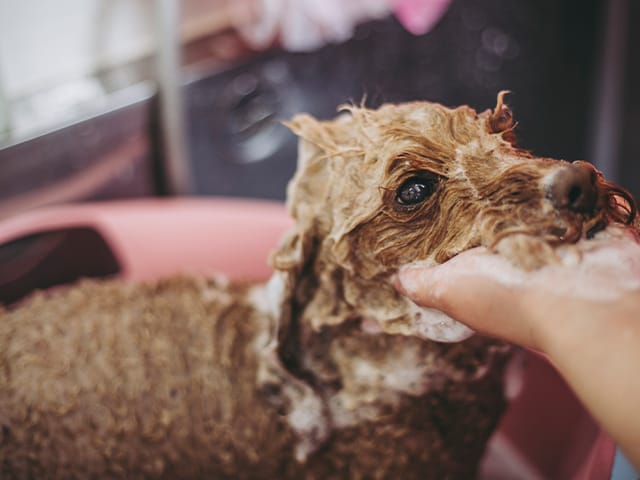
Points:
(572, 187)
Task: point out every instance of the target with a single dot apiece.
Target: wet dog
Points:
(325, 371)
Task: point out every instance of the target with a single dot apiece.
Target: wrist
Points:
(570, 326)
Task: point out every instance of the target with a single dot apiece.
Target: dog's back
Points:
(159, 380)
(118, 380)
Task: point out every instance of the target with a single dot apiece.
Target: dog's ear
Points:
(328, 198)
(324, 151)
(305, 192)
(319, 142)
(331, 159)
(501, 120)
(312, 206)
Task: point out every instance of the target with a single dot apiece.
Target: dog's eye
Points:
(415, 190)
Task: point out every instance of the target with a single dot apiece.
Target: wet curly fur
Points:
(196, 378)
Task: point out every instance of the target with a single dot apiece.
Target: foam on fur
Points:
(488, 192)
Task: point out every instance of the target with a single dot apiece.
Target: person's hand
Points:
(583, 312)
(593, 283)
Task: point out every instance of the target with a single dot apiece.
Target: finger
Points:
(419, 284)
(473, 290)
(429, 286)
(466, 296)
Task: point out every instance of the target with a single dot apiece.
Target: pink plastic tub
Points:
(545, 434)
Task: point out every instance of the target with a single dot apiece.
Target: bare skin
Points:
(588, 325)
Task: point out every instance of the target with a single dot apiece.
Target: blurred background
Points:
(103, 99)
(113, 99)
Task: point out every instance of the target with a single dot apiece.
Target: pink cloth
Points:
(303, 25)
(419, 16)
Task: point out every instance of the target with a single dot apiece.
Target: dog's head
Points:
(418, 182)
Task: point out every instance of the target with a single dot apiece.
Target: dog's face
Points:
(418, 182)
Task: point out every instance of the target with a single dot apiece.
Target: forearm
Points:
(599, 356)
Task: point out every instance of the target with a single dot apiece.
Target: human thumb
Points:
(471, 288)
(420, 284)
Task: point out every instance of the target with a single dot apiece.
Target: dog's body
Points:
(171, 380)
(195, 378)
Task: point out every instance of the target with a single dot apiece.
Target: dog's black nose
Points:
(573, 187)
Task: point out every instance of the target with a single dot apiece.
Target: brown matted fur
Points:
(195, 378)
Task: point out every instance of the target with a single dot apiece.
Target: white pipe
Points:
(4, 113)
(172, 113)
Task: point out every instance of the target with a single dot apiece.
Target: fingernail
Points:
(406, 279)
(395, 281)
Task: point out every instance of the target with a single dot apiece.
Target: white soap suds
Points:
(429, 323)
(435, 325)
(372, 386)
(307, 419)
(267, 297)
(405, 373)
